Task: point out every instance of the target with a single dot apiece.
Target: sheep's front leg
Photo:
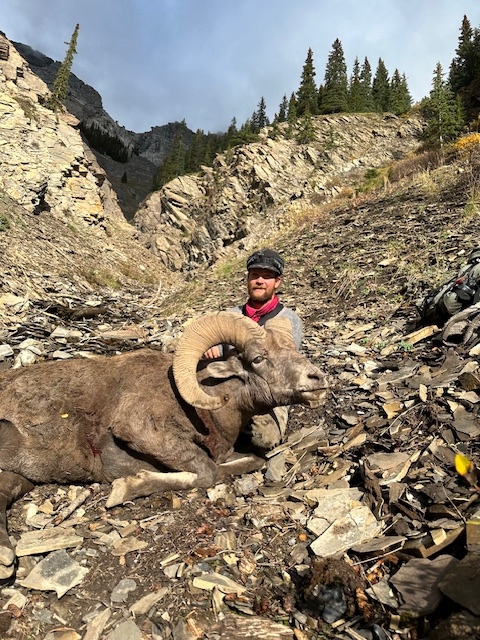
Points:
(240, 463)
(145, 483)
(12, 487)
(191, 467)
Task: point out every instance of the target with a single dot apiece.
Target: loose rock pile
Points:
(359, 525)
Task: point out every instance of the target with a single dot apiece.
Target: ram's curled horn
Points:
(223, 327)
(283, 326)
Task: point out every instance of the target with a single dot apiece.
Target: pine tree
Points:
(366, 87)
(442, 111)
(247, 133)
(407, 95)
(282, 110)
(259, 118)
(193, 156)
(261, 114)
(400, 99)
(231, 135)
(306, 130)
(355, 102)
(335, 96)
(307, 92)
(381, 88)
(320, 96)
(464, 77)
(462, 68)
(291, 115)
(60, 86)
(208, 152)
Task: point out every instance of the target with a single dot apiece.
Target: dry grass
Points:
(416, 164)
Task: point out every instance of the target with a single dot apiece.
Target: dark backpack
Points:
(453, 296)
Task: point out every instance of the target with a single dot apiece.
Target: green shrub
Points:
(4, 222)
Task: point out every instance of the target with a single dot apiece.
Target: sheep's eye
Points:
(258, 359)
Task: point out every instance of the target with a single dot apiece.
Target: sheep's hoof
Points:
(118, 494)
(7, 555)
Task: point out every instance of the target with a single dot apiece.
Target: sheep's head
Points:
(268, 361)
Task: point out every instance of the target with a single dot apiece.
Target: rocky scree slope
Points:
(259, 188)
(353, 272)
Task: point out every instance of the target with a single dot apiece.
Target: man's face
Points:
(262, 285)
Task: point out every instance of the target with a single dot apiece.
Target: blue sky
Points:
(158, 61)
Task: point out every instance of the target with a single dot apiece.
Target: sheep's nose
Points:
(319, 376)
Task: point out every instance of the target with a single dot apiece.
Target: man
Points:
(265, 271)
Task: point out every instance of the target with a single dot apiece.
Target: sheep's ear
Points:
(223, 369)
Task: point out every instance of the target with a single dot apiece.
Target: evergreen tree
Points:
(463, 66)
(193, 156)
(320, 96)
(381, 88)
(335, 97)
(407, 95)
(261, 114)
(464, 77)
(60, 85)
(247, 133)
(282, 110)
(400, 98)
(259, 118)
(307, 92)
(209, 149)
(292, 109)
(306, 130)
(442, 111)
(231, 135)
(253, 122)
(355, 102)
(366, 87)
(291, 115)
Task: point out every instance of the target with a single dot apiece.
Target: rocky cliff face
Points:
(57, 172)
(129, 159)
(47, 169)
(255, 189)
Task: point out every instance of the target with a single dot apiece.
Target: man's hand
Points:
(213, 352)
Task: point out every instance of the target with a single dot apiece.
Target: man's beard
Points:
(260, 295)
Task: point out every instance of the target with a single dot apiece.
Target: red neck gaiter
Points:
(256, 314)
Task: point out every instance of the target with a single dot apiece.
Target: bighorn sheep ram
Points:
(144, 420)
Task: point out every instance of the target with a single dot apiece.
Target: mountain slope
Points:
(129, 159)
(255, 189)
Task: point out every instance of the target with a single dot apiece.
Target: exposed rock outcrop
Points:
(57, 172)
(129, 159)
(54, 197)
(191, 220)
